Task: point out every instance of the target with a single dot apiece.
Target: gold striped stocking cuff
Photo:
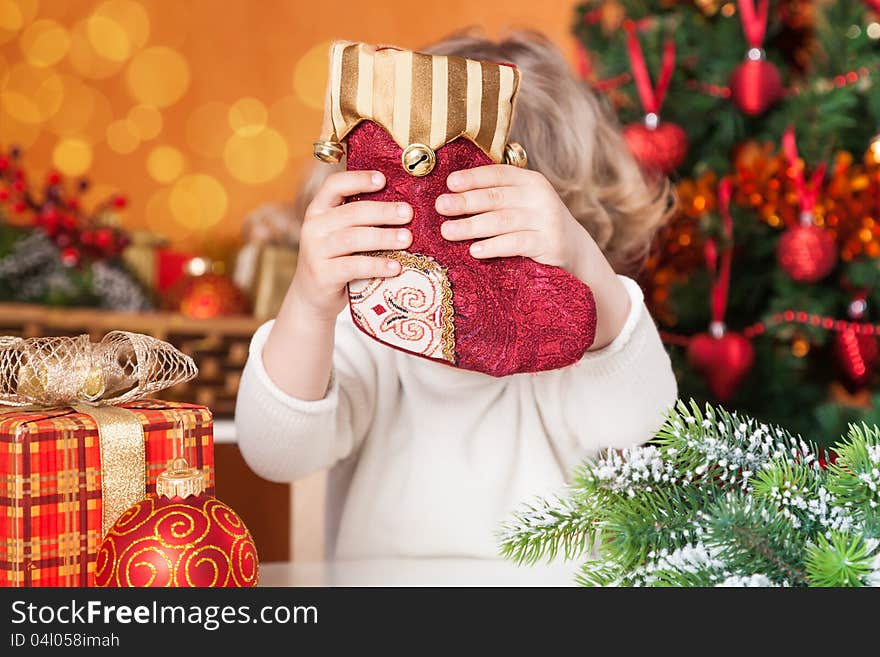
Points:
(419, 98)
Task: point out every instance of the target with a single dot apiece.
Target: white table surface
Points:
(416, 572)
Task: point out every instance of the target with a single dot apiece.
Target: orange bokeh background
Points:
(200, 110)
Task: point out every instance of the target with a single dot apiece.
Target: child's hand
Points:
(516, 212)
(333, 236)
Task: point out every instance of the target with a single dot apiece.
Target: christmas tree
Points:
(765, 294)
(716, 499)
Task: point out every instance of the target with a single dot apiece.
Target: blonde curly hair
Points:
(572, 139)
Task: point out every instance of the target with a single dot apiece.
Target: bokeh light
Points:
(72, 157)
(157, 211)
(118, 28)
(122, 137)
(217, 103)
(108, 38)
(158, 76)
(247, 116)
(310, 75)
(165, 164)
(44, 42)
(197, 201)
(83, 57)
(147, 121)
(78, 102)
(31, 94)
(255, 158)
(102, 115)
(15, 15)
(286, 116)
(207, 129)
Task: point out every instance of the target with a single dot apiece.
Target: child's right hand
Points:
(335, 234)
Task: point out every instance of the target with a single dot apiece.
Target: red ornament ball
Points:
(724, 361)
(806, 253)
(120, 202)
(202, 294)
(70, 257)
(856, 355)
(192, 541)
(659, 149)
(755, 86)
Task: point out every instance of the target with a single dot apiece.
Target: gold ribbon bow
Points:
(94, 378)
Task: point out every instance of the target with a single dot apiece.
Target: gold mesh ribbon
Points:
(93, 378)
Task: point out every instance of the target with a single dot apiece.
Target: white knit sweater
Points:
(427, 459)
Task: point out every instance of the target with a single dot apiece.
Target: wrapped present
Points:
(276, 269)
(78, 444)
(265, 264)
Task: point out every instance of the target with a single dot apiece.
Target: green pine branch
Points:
(715, 498)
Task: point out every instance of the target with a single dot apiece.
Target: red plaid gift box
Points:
(50, 496)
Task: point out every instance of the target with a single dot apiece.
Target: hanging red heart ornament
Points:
(756, 83)
(659, 147)
(806, 252)
(723, 357)
(656, 146)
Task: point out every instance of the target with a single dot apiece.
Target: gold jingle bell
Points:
(515, 155)
(329, 151)
(418, 159)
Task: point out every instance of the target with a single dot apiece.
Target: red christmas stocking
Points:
(417, 118)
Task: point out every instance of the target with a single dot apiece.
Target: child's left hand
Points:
(516, 212)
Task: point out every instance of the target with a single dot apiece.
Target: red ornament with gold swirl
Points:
(178, 537)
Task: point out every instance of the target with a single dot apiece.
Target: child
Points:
(428, 460)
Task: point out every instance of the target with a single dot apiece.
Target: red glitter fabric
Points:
(512, 315)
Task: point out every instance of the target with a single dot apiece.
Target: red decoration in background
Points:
(724, 361)
(755, 84)
(170, 268)
(657, 146)
(723, 357)
(857, 353)
(805, 252)
(56, 210)
(662, 148)
(204, 294)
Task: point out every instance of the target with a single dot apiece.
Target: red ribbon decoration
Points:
(721, 274)
(808, 194)
(651, 97)
(754, 21)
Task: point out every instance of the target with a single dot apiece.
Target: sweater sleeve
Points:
(613, 397)
(283, 438)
